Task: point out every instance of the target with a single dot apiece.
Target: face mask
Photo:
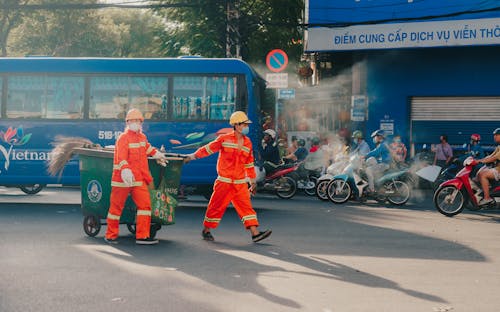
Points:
(134, 126)
(397, 141)
(245, 130)
(375, 140)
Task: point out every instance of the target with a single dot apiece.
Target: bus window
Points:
(149, 95)
(25, 97)
(64, 97)
(111, 97)
(45, 97)
(204, 97)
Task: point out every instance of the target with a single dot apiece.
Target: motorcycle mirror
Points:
(424, 146)
(465, 145)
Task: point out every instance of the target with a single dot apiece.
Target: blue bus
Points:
(186, 103)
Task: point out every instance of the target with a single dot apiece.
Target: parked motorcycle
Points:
(277, 181)
(452, 196)
(353, 183)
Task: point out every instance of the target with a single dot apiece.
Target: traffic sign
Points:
(276, 60)
(277, 81)
(286, 94)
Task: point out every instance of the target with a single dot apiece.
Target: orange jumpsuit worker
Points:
(234, 166)
(131, 176)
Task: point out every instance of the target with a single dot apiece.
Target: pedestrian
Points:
(444, 152)
(131, 176)
(234, 167)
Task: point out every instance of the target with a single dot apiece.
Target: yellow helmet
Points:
(134, 113)
(238, 117)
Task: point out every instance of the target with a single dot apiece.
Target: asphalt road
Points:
(320, 257)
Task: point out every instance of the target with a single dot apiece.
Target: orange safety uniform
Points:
(131, 152)
(234, 165)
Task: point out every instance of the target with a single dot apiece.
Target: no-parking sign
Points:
(276, 60)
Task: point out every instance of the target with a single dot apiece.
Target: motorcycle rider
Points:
(269, 152)
(475, 149)
(361, 147)
(487, 174)
(381, 159)
(300, 154)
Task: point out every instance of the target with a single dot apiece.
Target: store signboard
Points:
(470, 32)
(286, 94)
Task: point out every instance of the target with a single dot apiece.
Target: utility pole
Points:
(232, 29)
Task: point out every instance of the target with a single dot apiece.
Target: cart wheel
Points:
(155, 227)
(131, 228)
(91, 225)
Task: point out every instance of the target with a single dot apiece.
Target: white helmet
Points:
(271, 132)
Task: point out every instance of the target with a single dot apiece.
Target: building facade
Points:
(418, 68)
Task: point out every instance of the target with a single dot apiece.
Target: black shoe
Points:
(261, 236)
(113, 241)
(146, 241)
(207, 236)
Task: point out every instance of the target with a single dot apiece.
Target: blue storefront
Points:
(424, 68)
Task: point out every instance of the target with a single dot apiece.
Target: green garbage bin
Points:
(96, 167)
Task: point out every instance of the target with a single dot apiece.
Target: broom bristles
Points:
(63, 151)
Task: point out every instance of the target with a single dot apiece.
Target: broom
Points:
(63, 151)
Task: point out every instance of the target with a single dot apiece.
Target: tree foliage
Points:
(262, 26)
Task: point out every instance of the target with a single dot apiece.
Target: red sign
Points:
(276, 60)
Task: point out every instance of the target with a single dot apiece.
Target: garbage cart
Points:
(96, 167)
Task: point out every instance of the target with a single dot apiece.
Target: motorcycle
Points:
(353, 183)
(334, 169)
(452, 196)
(277, 181)
(306, 179)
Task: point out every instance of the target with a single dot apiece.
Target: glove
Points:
(160, 158)
(127, 177)
(189, 157)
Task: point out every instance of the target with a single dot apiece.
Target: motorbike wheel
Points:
(338, 191)
(399, 192)
(447, 205)
(322, 189)
(290, 188)
(311, 191)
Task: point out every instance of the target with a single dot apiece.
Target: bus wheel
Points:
(91, 225)
(32, 189)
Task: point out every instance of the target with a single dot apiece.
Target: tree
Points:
(9, 19)
(260, 27)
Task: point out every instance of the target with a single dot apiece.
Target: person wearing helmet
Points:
(300, 153)
(381, 159)
(131, 176)
(360, 146)
(268, 151)
(475, 149)
(444, 152)
(234, 167)
(487, 174)
(398, 150)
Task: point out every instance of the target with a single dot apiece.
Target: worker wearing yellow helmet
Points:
(235, 167)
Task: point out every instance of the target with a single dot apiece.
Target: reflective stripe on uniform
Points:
(249, 217)
(250, 165)
(120, 165)
(137, 145)
(149, 150)
(213, 220)
(113, 217)
(246, 149)
(143, 212)
(122, 184)
(235, 146)
(228, 180)
(209, 151)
